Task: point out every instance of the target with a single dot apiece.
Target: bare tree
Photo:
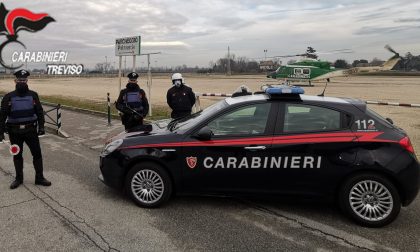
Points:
(102, 67)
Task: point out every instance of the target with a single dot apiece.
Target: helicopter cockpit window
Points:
(298, 70)
(306, 71)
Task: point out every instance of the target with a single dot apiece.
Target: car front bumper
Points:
(112, 173)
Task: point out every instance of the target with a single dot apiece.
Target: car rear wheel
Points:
(148, 185)
(370, 199)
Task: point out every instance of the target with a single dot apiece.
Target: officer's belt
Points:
(22, 126)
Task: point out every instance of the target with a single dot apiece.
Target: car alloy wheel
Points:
(147, 186)
(371, 200)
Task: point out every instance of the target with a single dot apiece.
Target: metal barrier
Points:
(414, 105)
(49, 119)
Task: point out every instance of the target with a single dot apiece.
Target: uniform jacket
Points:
(121, 104)
(6, 105)
(180, 99)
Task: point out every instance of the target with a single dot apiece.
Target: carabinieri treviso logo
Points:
(22, 19)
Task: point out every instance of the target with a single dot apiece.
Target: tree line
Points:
(237, 65)
(408, 62)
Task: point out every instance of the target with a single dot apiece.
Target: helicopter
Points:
(311, 69)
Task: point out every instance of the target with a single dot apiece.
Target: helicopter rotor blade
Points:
(288, 56)
(338, 51)
(389, 48)
(346, 50)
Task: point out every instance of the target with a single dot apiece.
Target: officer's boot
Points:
(39, 176)
(19, 173)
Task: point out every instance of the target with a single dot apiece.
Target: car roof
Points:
(311, 98)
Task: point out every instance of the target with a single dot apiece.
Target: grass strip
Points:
(159, 112)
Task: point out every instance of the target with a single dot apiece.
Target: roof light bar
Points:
(284, 89)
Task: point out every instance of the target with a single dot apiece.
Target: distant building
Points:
(38, 71)
(268, 65)
(362, 65)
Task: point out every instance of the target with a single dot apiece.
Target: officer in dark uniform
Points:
(21, 114)
(132, 103)
(180, 97)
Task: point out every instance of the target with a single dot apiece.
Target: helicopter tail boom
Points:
(337, 73)
(389, 64)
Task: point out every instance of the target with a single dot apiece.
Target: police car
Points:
(277, 142)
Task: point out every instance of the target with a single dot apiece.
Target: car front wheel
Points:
(148, 185)
(370, 199)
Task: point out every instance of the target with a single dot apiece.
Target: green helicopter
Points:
(312, 69)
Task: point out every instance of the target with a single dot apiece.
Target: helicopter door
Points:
(306, 73)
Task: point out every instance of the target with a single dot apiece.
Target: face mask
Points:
(177, 83)
(21, 87)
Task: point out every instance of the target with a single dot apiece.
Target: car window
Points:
(379, 118)
(191, 121)
(306, 118)
(248, 120)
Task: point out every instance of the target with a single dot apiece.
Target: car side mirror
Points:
(389, 120)
(204, 134)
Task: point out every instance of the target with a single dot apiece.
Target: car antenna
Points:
(326, 84)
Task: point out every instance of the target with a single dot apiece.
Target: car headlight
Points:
(111, 147)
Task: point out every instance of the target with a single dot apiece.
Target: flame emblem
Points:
(17, 20)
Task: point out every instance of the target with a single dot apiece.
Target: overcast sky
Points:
(197, 32)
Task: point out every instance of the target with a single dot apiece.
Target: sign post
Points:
(149, 83)
(149, 80)
(119, 72)
(128, 46)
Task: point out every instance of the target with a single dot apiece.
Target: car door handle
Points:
(255, 148)
(168, 150)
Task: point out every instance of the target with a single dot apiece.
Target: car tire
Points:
(148, 185)
(370, 199)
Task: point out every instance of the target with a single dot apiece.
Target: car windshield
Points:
(190, 121)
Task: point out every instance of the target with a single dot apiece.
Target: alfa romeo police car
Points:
(273, 143)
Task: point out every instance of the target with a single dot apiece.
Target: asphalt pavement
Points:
(78, 212)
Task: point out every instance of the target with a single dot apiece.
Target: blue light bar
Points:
(283, 89)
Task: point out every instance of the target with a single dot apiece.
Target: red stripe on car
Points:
(293, 139)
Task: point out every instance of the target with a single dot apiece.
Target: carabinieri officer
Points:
(22, 115)
(132, 103)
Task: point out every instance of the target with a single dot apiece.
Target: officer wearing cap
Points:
(180, 97)
(132, 103)
(21, 114)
